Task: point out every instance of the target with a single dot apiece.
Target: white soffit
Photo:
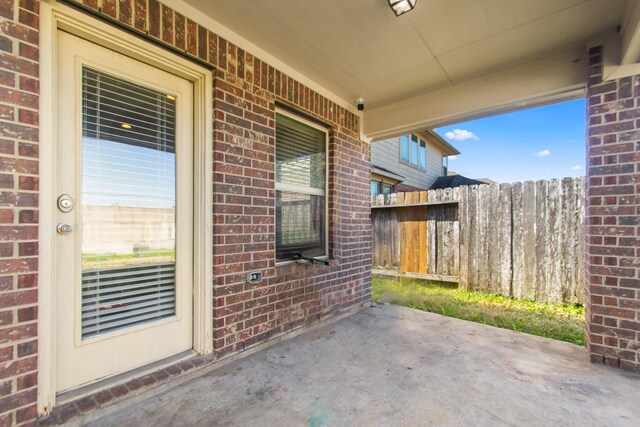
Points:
(358, 48)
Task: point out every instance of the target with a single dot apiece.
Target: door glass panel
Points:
(128, 204)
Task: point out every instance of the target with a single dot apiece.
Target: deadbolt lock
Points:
(65, 203)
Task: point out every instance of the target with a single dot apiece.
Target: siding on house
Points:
(386, 154)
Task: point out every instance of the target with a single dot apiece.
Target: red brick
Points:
(103, 397)
(28, 183)
(27, 381)
(5, 388)
(92, 4)
(154, 18)
(26, 414)
(17, 400)
(140, 15)
(86, 404)
(6, 180)
(6, 250)
(27, 348)
(27, 314)
(24, 232)
(125, 11)
(110, 8)
(28, 18)
(167, 25)
(222, 54)
(30, 5)
(203, 43)
(28, 117)
(613, 282)
(17, 298)
(21, 33)
(28, 217)
(17, 367)
(7, 9)
(181, 31)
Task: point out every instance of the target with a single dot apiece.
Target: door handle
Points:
(64, 228)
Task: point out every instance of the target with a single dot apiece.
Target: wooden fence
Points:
(524, 240)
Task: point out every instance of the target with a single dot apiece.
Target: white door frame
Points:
(55, 17)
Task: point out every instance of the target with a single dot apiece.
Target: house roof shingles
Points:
(453, 181)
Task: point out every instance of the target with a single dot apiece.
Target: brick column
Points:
(612, 286)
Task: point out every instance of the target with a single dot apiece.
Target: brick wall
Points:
(18, 209)
(612, 290)
(244, 214)
(245, 95)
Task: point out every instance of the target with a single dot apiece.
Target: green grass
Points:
(563, 322)
(92, 260)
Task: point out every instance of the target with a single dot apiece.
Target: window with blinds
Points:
(128, 204)
(301, 171)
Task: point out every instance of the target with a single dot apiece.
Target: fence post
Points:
(463, 224)
(518, 242)
(505, 240)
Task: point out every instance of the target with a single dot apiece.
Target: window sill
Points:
(293, 261)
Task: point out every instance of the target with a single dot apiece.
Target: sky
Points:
(115, 173)
(539, 143)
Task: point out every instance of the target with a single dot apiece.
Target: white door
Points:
(124, 261)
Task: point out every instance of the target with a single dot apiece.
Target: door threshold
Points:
(122, 378)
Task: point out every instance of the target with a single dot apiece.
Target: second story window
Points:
(445, 165)
(404, 148)
(413, 151)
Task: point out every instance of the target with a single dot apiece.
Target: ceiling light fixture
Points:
(402, 6)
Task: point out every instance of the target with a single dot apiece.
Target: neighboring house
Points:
(409, 162)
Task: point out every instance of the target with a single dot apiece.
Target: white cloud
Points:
(461, 135)
(452, 157)
(577, 168)
(543, 153)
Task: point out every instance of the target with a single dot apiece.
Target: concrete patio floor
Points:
(395, 366)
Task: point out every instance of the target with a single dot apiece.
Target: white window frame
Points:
(307, 190)
(410, 161)
(53, 18)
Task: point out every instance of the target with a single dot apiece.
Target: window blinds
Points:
(300, 154)
(300, 189)
(128, 204)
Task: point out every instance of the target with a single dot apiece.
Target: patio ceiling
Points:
(442, 62)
